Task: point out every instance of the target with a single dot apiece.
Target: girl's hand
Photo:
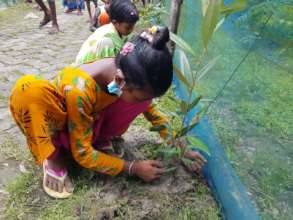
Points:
(198, 159)
(148, 170)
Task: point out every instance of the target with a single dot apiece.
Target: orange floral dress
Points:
(74, 100)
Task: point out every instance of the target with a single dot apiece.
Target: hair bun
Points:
(160, 38)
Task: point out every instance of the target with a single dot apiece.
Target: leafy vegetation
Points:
(151, 14)
(178, 141)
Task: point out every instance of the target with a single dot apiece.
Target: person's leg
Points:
(95, 3)
(56, 163)
(88, 6)
(114, 121)
(30, 111)
(55, 27)
(79, 6)
(47, 15)
(94, 23)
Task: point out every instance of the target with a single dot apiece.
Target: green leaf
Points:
(158, 128)
(182, 44)
(168, 153)
(186, 161)
(185, 130)
(172, 99)
(185, 66)
(207, 67)
(181, 77)
(198, 144)
(194, 103)
(183, 106)
(210, 20)
(175, 114)
(219, 24)
(204, 6)
(235, 6)
(169, 170)
(195, 118)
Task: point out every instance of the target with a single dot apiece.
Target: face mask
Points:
(113, 88)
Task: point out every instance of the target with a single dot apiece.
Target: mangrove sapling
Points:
(179, 140)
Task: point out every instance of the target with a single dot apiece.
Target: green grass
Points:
(11, 148)
(14, 13)
(100, 197)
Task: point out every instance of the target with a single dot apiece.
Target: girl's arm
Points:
(157, 118)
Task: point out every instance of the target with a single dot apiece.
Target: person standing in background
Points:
(49, 15)
(101, 16)
(88, 6)
(72, 5)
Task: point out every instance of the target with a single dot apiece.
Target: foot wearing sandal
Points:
(56, 182)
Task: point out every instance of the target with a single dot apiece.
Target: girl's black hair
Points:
(149, 64)
(123, 11)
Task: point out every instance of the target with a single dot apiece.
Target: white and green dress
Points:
(104, 42)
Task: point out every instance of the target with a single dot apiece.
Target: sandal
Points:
(58, 175)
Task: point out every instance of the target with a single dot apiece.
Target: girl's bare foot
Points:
(57, 166)
(79, 12)
(54, 29)
(69, 10)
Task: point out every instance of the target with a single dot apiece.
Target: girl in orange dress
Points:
(84, 97)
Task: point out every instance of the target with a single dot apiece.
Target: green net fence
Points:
(253, 115)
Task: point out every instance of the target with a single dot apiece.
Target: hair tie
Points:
(153, 30)
(127, 48)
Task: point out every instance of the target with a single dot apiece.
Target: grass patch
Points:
(14, 13)
(174, 196)
(10, 148)
(98, 197)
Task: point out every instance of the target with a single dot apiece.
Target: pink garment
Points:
(113, 121)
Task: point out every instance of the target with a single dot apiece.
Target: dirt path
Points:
(25, 49)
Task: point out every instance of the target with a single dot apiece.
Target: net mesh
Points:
(253, 116)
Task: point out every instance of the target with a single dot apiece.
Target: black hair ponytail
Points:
(149, 63)
(123, 11)
(160, 38)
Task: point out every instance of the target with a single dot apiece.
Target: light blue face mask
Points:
(113, 88)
